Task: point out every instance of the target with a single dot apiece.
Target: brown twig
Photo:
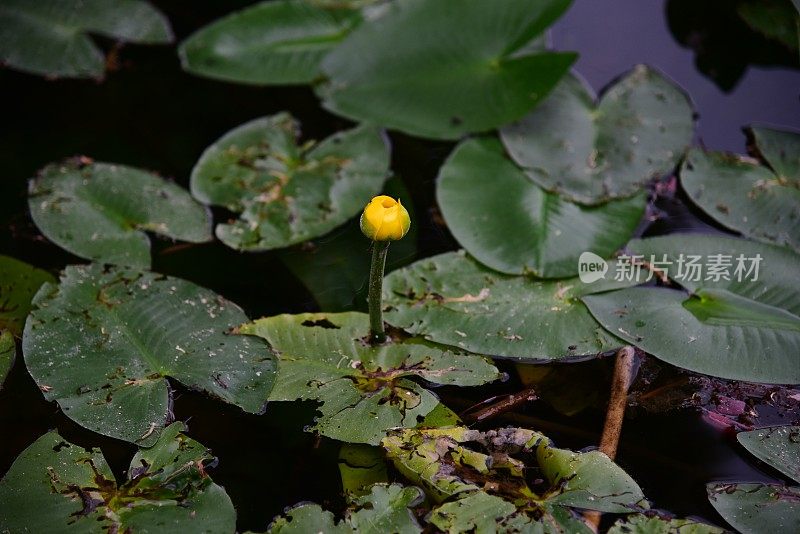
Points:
(505, 404)
(609, 441)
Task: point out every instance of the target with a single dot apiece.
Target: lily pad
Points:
(364, 389)
(454, 300)
(591, 151)
(775, 19)
(779, 446)
(745, 196)
(287, 193)
(510, 224)
(446, 79)
(270, 43)
(103, 342)
(55, 486)
(385, 509)
(50, 37)
(8, 353)
(645, 524)
(19, 282)
(101, 211)
(739, 328)
(757, 508)
(489, 475)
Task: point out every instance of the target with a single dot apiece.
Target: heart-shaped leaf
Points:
(510, 224)
(779, 446)
(452, 299)
(646, 524)
(460, 463)
(594, 152)
(55, 486)
(103, 342)
(101, 211)
(416, 70)
(757, 508)
(744, 328)
(745, 196)
(280, 42)
(364, 389)
(387, 508)
(50, 37)
(287, 193)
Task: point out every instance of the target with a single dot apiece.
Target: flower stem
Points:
(374, 298)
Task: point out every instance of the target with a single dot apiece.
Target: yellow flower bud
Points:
(385, 219)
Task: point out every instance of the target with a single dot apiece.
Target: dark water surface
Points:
(151, 114)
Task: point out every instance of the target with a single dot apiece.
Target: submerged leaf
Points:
(590, 152)
(385, 509)
(19, 282)
(510, 224)
(415, 70)
(101, 211)
(745, 196)
(103, 342)
(50, 37)
(454, 300)
(364, 389)
(757, 508)
(361, 466)
(779, 446)
(287, 193)
(55, 486)
(270, 43)
(741, 320)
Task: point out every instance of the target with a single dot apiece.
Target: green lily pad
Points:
(287, 193)
(454, 300)
(8, 353)
(101, 211)
(737, 329)
(745, 196)
(510, 224)
(757, 508)
(385, 509)
(364, 389)
(592, 152)
(455, 66)
(484, 470)
(645, 524)
(270, 43)
(103, 342)
(779, 446)
(19, 282)
(776, 19)
(55, 486)
(50, 37)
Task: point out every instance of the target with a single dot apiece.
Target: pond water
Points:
(151, 114)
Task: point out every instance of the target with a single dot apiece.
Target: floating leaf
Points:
(779, 446)
(335, 267)
(645, 524)
(361, 466)
(49, 37)
(775, 19)
(364, 389)
(745, 196)
(454, 300)
(101, 211)
(18, 284)
(270, 43)
(8, 352)
(740, 328)
(55, 486)
(385, 509)
(513, 226)
(594, 152)
(493, 482)
(103, 341)
(445, 79)
(757, 508)
(286, 193)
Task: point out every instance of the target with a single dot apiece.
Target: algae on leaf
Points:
(286, 192)
(56, 486)
(103, 341)
(364, 389)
